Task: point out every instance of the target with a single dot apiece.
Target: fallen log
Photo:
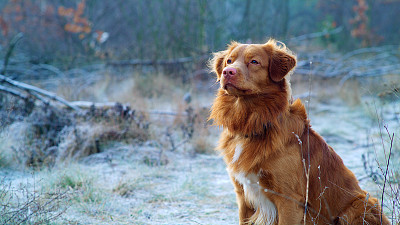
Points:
(110, 105)
(37, 92)
(88, 105)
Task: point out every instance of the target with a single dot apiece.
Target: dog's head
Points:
(247, 69)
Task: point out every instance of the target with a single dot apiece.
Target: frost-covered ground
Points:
(122, 186)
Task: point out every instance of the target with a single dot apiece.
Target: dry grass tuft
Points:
(80, 185)
(126, 188)
(201, 145)
(350, 92)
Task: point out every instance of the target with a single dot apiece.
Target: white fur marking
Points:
(265, 210)
(238, 152)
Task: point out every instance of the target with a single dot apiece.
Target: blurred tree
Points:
(361, 27)
(384, 20)
(365, 22)
(80, 31)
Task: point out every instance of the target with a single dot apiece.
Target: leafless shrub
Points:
(26, 205)
(384, 170)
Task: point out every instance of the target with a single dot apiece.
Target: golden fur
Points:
(268, 143)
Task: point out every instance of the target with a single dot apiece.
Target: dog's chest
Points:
(254, 194)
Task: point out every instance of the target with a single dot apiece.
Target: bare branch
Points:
(13, 92)
(32, 89)
(317, 34)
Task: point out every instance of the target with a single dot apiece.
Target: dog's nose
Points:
(229, 71)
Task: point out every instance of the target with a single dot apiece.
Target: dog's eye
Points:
(254, 62)
(229, 61)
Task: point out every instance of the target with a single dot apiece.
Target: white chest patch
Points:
(238, 152)
(265, 210)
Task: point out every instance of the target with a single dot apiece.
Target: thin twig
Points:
(266, 190)
(391, 137)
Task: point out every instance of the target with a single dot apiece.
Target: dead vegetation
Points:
(381, 162)
(49, 135)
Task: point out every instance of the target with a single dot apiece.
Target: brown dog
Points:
(270, 149)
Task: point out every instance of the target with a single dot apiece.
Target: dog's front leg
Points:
(245, 211)
(289, 212)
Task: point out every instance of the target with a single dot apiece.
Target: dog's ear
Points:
(280, 64)
(216, 64)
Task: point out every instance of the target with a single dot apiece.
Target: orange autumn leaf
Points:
(81, 7)
(68, 12)
(82, 21)
(87, 29)
(73, 28)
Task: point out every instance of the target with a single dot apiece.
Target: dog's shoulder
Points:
(298, 109)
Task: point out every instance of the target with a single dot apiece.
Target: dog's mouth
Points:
(232, 89)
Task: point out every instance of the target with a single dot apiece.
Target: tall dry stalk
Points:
(391, 138)
(307, 170)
